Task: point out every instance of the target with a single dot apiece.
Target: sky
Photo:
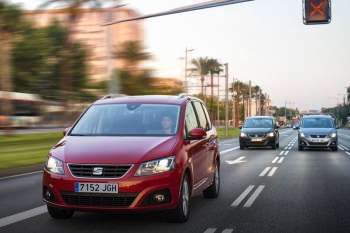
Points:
(264, 41)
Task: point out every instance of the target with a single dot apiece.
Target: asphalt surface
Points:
(297, 192)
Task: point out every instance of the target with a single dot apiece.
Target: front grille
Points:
(108, 171)
(318, 136)
(261, 135)
(318, 143)
(101, 200)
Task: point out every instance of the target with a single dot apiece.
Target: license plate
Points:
(257, 139)
(95, 188)
(319, 140)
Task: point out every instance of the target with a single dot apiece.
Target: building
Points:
(90, 31)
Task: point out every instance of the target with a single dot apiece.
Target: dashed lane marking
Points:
(272, 172)
(243, 195)
(265, 171)
(254, 196)
(281, 160)
(275, 160)
(282, 152)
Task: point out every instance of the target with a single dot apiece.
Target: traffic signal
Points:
(317, 11)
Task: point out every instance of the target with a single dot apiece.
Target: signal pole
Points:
(226, 99)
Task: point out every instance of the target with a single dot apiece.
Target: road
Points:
(263, 191)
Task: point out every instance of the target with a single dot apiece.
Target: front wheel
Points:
(334, 148)
(241, 147)
(57, 213)
(300, 148)
(182, 211)
(214, 189)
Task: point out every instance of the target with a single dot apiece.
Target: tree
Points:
(73, 9)
(38, 63)
(10, 25)
(348, 94)
(133, 53)
(214, 68)
(201, 65)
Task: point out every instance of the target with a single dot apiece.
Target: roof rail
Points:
(183, 95)
(112, 96)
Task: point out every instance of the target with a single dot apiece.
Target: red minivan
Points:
(136, 153)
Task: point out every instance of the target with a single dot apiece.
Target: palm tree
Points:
(132, 53)
(201, 65)
(348, 94)
(73, 9)
(10, 25)
(214, 68)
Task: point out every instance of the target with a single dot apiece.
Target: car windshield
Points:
(128, 120)
(317, 123)
(258, 123)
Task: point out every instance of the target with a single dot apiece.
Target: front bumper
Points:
(324, 143)
(134, 194)
(249, 142)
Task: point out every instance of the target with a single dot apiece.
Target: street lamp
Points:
(186, 63)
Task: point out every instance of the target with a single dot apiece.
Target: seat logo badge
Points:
(97, 171)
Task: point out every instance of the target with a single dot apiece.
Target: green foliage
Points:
(10, 17)
(38, 63)
(281, 112)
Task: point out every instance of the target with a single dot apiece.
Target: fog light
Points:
(159, 198)
(48, 195)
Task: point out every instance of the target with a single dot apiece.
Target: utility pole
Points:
(285, 110)
(218, 104)
(250, 99)
(226, 99)
(186, 63)
(260, 103)
(233, 104)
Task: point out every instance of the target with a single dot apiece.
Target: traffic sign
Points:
(317, 11)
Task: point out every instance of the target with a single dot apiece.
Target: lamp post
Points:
(186, 63)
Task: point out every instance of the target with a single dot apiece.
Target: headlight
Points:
(302, 135)
(156, 166)
(271, 134)
(333, 135)
(243, 135)
(54, 165)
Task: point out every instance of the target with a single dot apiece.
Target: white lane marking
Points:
(227, 231)
(272, 172)
(275, 160)
(339, 146)
(229, 150)
(348, 153)
(282, 152)
(286, 148)
(20, 175)
(265, 171)
(242, 196)
(210, 230)
(281, 160)
(23, 216)
(345, 147)
(286, 153)
(254, 196)
(236, 161)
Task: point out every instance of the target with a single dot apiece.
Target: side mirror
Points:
(197, 134)
(240, 127)
(277, 126)
(297, 127)
(66, 130)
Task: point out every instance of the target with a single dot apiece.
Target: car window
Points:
(203, 123)
(258, 123)
(207, 116)
(317, 123)
(190, 118)
(128, 120)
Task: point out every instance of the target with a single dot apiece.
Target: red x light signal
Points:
(317, 11)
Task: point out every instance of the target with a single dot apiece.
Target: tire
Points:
(241, 147)
(57, 213)
(300, 148)
(182, 211)
(334, 148)
(274, 145)
(214, 189)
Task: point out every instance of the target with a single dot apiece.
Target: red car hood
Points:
(113, 150)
